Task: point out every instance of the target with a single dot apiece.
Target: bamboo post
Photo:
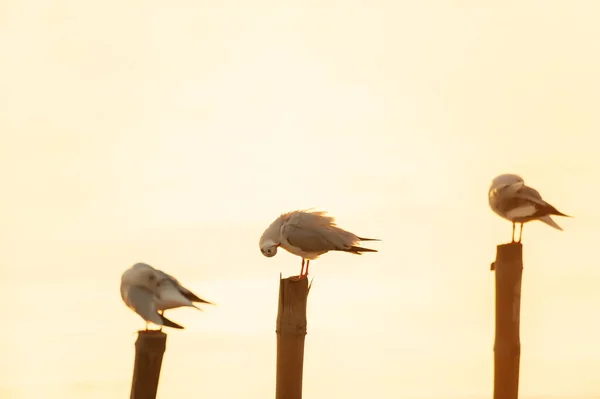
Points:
(507, 346)
(149, 349)
(291, 331)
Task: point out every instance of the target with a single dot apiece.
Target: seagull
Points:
(309, 234)
(511, 199)
(138, 291)
(161, 291)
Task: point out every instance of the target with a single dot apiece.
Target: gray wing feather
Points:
(309, 219)
(530, 194)
(142, 302)
(164, 276)
(308, 240)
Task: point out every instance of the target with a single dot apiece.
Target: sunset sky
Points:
(173, 133)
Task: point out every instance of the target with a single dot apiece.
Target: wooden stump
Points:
(291, 331)
(507, 346)
(149, 349)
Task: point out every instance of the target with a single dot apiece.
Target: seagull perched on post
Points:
(149, 292)
(309, 234)
(511, 199)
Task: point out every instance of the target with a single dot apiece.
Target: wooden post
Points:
(291, 331)
(149, 349)
(507, 346)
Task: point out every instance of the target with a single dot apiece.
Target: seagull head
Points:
(271, 238)
(268, 248)
(512, 181)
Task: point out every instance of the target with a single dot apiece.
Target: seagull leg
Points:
(513, 233)
(146, 326)
(301, 272)
(161, 312)
(307, 262)
(520, 233)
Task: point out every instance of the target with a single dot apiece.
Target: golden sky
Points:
(174, 132)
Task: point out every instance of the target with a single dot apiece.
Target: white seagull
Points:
(149, 292)
(511, 199)
(309, 234)
(138, 291)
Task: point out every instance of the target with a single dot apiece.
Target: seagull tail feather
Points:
(551, 210)
(368, 239)
(168, 323)
(558, 213)
(358, 250)
(548, 220)
(195, 298)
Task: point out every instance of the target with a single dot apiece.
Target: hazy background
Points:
(174, 132)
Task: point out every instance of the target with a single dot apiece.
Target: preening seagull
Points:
(148, 291)
(309, 234)
(138, 291)
(511, 199)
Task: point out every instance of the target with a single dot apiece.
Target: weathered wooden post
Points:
(291, 330)
(507, 346)
(149, 349)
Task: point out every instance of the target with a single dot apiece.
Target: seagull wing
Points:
(307, 239)
(184, 291)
